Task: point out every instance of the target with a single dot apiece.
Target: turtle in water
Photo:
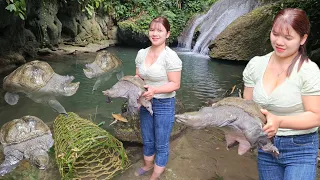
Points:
(131, 88)
(40, 83)
(28, 137)
(104, 65)
(240, 119)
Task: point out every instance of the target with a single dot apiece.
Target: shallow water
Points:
(202, 78)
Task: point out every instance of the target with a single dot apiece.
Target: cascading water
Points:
(186, 39)
(220, 15)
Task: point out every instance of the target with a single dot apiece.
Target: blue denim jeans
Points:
(297, 159)
(156, 129)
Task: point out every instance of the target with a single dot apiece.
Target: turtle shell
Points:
(107, 61)
(248, 106)
(135, 80)
(29, 77)
(23, 129)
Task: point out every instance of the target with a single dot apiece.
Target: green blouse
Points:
(156, 74)
(286, 99)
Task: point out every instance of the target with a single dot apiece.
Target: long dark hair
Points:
(299, 21)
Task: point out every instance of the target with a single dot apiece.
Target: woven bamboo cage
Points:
(85, 151)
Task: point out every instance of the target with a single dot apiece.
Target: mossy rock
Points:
(246, 37)
(129, 33)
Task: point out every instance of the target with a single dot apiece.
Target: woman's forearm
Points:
(167, 88)
(305, 120)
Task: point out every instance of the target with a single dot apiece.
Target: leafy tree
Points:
(18, 7)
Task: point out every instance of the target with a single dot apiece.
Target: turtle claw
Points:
(65, 115)
(108, 100)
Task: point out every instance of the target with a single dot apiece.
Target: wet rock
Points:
(43, 21)
(10, 62)
(246, 37)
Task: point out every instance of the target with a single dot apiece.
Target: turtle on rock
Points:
(38, 81)
(131, 88)
(28, 137)
(240, 119)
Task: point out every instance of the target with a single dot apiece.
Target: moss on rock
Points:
(246, 37)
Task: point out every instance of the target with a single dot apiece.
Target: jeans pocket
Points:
(303, 140)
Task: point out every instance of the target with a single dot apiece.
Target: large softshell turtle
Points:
(104, 65)
(240, 119)
(27, 137)
(40, 83)
(131, 88)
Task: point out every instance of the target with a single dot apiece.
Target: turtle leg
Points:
(54, 104)
(120, 74)
(244, 146)
(12, 159)
(100, 80)
(96, 84)
(40, 158)
(231, 141)
(133, 104)
(11, 98)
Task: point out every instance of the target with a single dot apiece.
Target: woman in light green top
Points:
(287, 85)
(160, 68)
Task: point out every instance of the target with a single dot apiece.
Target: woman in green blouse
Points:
(287, 85)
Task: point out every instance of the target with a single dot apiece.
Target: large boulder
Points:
(14, 37)
(10, 62)
(42, 20)
(246, 37)
(82, 29)
(132, 33)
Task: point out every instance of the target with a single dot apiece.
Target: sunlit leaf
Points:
(21, 16)
(11, 7)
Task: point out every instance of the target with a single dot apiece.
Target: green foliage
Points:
(178, 12)
(141, 12)
(18, 7)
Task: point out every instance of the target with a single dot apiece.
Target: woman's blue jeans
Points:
(156, 129)
(297, 159)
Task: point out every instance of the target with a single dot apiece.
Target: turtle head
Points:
(92, 70)
(60, 86)
(190, 119)
(120, 89)
(41, 160)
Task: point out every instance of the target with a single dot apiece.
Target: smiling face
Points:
(285, 40)
(158, 34)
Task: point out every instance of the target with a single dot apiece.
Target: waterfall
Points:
(220, 15)
(186, 39)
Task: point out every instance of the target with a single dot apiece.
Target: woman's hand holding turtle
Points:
(273, 123)
(150, 91)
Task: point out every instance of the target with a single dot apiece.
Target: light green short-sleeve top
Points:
(286, 99)
(156, 74)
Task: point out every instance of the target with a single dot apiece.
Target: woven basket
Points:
(85, 151)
